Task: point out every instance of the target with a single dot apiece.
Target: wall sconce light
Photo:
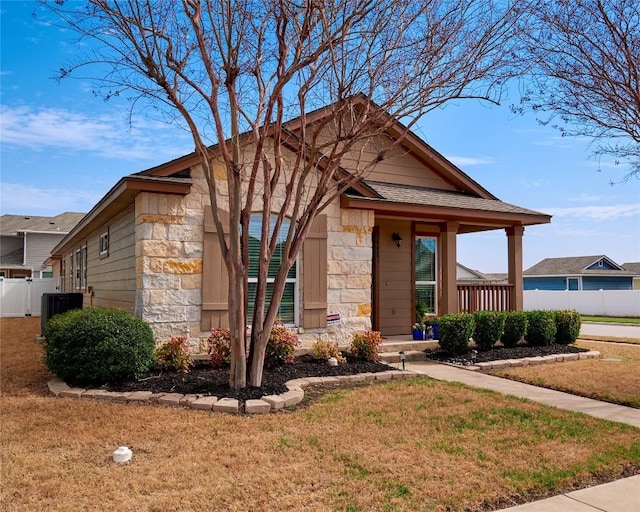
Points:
(397, 239)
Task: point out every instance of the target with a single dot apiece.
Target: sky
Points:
(62, 149)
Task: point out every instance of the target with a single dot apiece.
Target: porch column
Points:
(449, 302)
(514, 242)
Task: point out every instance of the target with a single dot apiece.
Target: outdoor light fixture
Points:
(397, 239)
(402, 358)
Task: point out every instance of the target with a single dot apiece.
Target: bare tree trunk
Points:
(237, 325)
(256, 357)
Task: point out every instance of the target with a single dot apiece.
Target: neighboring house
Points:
(635, 268)
(466, 274)
(578, 273)
(469, 275)
(150, 246)
(26, 242)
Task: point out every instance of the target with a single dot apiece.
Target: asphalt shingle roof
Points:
(574, 265)
(409, 194)
(64, 222)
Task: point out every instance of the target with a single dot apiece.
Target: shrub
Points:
(541, 328)
(98, 345)
(567, 326)
(219, 348)
(454, 332)
(174, 355)
(515, 327)
(489, 326)
(365, 345)
(326, 350)
(281, 345)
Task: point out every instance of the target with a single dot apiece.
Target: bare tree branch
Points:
(586, 73)
(286, 95)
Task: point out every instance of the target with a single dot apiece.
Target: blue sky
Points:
(62, 149)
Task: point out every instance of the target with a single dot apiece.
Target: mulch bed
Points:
(500, 353)
(202, 379)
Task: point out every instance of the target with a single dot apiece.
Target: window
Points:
(288, 305)
(83, 282)
(70, 285)
(573, 283)
(426, 284)
(81, 268)
(63, 271)
(104, 244)
(78, 269)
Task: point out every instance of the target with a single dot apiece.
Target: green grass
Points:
(612, 319)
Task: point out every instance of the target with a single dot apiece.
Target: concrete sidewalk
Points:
(618, 496)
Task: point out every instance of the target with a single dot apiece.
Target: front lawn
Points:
(615, 377)
(415, 444)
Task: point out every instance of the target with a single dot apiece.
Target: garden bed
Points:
(203, 379)
(472, 356)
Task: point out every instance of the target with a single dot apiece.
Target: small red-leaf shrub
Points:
(174, 355)
(326, 350)
(219, 348)
(281, 345)
(365, 345)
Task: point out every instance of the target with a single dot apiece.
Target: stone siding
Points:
(169, 248)
(349, 266)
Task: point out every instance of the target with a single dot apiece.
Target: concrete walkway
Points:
(619, 496)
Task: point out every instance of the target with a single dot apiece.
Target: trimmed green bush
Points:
(489, 326)
(98, 345)
(454, 332)
(567, 326)
(541, 328)
(366, 344)
(281, 345)
(515, 328)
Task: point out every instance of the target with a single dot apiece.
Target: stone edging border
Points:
(530, 361)
(295, 393)
(265, 405)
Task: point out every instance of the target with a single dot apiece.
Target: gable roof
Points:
(12, 225)
(576, 265)
(632, 267)
(470, 202)
(411, 143)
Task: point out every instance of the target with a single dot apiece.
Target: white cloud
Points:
(467, 161)
(105, 135)
(597, 212)
(17, 198)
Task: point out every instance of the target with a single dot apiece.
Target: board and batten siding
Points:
(395, 278)
(113, 278)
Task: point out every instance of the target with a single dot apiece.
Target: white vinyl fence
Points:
(23, 297)
(595, 302)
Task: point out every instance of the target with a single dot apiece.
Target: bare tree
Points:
(586, 72)
(309, 83)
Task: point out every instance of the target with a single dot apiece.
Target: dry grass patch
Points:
(417, 444)
(615, 377)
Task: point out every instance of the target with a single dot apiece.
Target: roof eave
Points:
(120, 197)
(444, 213)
